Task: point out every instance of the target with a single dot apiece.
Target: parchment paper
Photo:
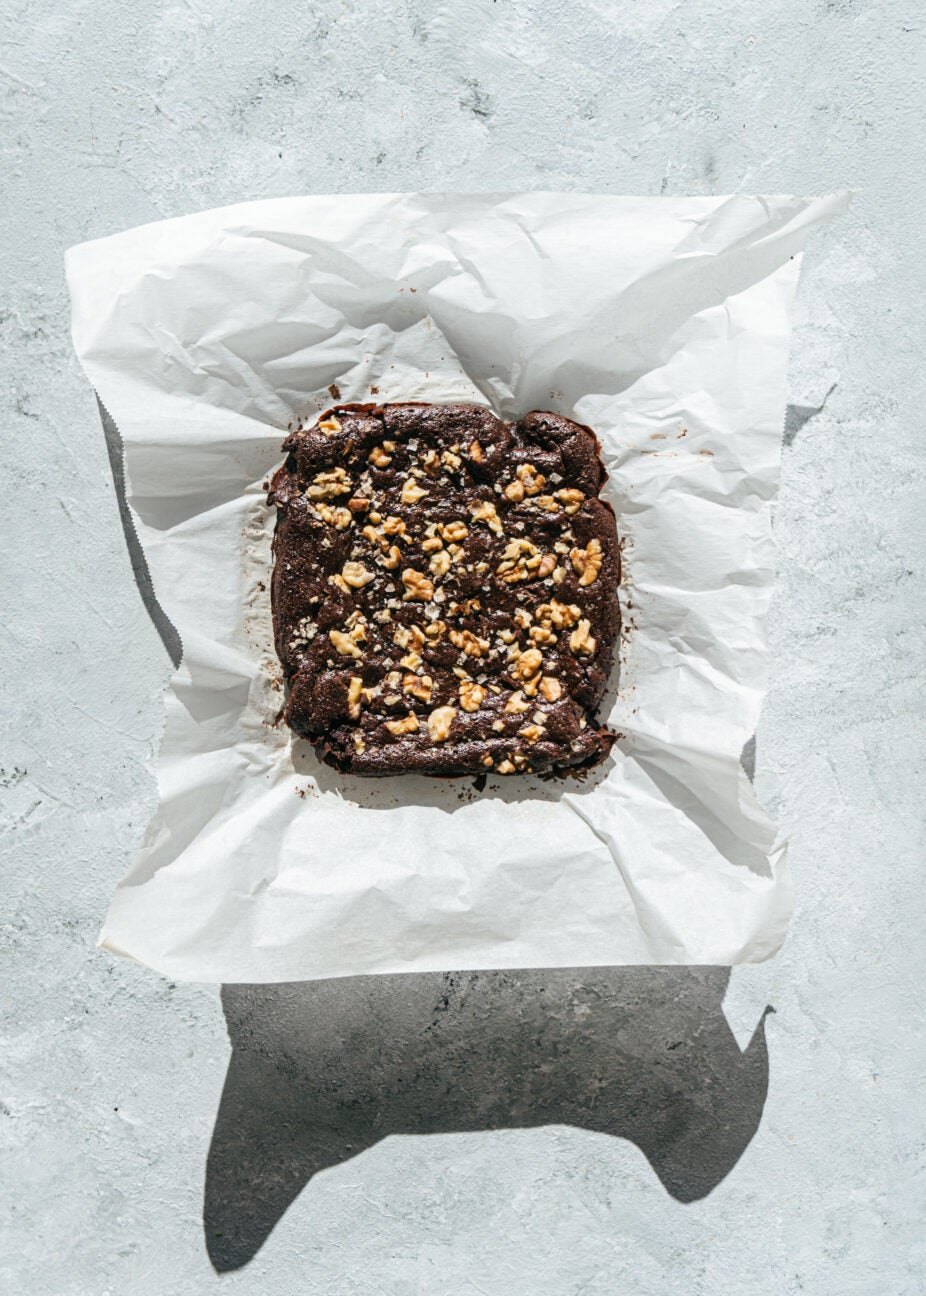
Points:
(662, 323)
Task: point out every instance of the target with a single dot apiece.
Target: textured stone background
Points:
(120, 112)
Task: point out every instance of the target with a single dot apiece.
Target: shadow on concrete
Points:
(322, 1070)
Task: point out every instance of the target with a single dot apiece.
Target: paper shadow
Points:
(321, 1071)
(165, 628)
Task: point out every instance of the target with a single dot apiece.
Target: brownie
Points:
(445, 590)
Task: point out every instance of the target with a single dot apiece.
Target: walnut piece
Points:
(476, 452)
(326, 485)
(420, 686)
(529, 663)
(417, 585)
(551, 688)
(440, 723)
(356, 575)
(581, 640)
(472, 695)
(587, 562)
(338, 517)
(531, 732)
(408, 724)
(329, 425)
(532, 481)
(484, 511)
(354, 691)
(440, 563)
(454, 531)
(472, 645)
(516, 703)
(378, 457)
(412, 492)
(344, 644)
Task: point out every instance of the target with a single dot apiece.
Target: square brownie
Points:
(445, 590)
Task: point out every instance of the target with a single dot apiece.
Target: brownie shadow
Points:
(321, 1071)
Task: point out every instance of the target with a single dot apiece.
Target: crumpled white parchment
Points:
(664, 324)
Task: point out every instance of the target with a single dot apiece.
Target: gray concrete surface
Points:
(455, 1135)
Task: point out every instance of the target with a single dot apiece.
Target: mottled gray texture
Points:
(115, 113)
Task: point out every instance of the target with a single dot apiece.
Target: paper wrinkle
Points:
(662, 323)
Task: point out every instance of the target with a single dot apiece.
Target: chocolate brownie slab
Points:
(445, 590)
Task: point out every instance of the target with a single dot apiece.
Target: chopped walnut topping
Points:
(587, 562)
(573, 499)
(498, 726)
(515, 549)
(338, 579)
(514, 491)
(357, 575)
(354, 691)
(440, 723)
(359, 745)
(432, 544)
(581, 640)
(522, 617)
(469, 643)
(561, 615)
(394, 526)
(344, 644)
(440, 564)
(436, 631)
(488, 760)
(329, 425)
(531, 732)
(336, 517)
(545, 567)
(371, 534)
(516, 703)
(412, 660)
(505, 767)
(417, 585)
(358, 504)
(420, 686)
(408, 724)
(472, 695)
(532, 481)
(392, 558)
(484, 511)
(551, 688)
(326, 485)
(528, 663)
(543, 634)
(379, 458)
(452, 460)
(412, 492)
(559, 575)
(476, 452)
(454, 531)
